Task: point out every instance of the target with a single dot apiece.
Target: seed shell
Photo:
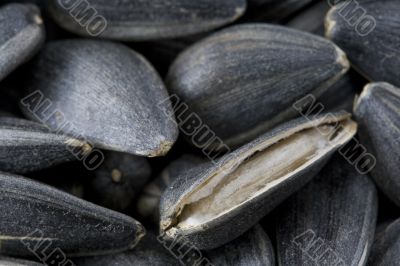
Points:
(243, 81)
(377, 111)
(34, 213)
(365, 30)
(206, 205)
(145, 20)
(331, 221)
(104, 92)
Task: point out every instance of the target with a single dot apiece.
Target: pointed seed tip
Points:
(239, 11)
(86, 147)
(116, 175)
(330, 24)
(38, 19)
(342, 59)
(365, 94)
(140, 233)
(162, 149)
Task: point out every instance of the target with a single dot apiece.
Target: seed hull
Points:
(235, 221)
(32, 212)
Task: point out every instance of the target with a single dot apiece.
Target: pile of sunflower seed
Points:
(200, 132)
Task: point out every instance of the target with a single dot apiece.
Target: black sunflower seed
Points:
(144, 20)
(367, 32)
(213, 204)
(36, 216)
(244, 80)
(331, 221)
(103, 92)
(377, 111)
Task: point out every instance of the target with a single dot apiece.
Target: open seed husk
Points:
(242, 81)
(148, 202)
(386, 247)
(331, 221)
(252, 248)
(21, 35)
(144, 20)
(103, 92)
(213, 204)
(367, 32)
(377, 111)
(118, 180)
(35, 215)
(27, 146)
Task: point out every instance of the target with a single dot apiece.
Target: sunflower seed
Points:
(27, 146)
(35, 215)
(21, 35)
(118, 180)
(242, 95)
(366, 32)
(386, 247)
(145, 20)
(104, 92)
(377, 112)
(206, 205)
(331, 221)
